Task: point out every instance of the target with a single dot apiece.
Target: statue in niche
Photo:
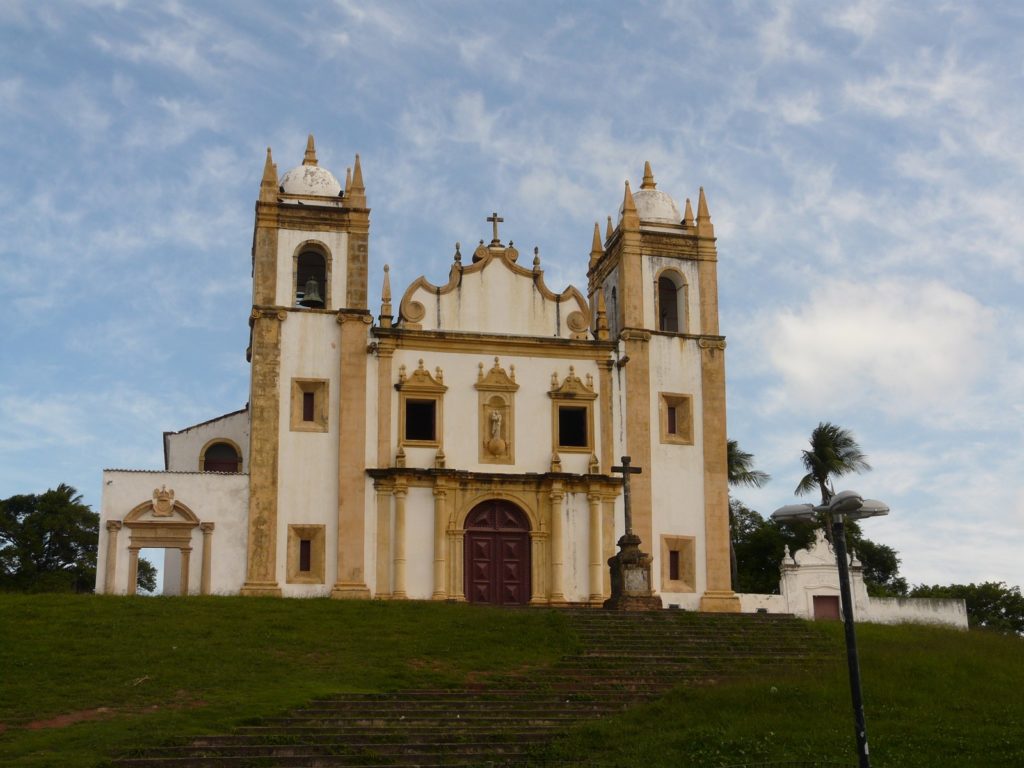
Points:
(496, 445)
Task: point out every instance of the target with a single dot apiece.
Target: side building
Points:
(459, 445)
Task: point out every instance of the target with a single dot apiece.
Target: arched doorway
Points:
(497, 551)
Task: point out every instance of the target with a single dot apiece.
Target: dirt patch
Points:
(69, 718)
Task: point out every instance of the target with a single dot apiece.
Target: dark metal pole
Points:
(839, 540)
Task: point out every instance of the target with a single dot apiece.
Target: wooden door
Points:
(497, 551)
(826, 607)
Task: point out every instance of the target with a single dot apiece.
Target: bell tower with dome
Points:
(310, 252)
(656, 273)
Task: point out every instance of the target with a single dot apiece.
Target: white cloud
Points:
(905, 346)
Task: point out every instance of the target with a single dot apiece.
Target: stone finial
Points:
(556, 462)
(536, 259)
(269, 183)
(704, 225)
(400, 458)
(310, 157)
(609, 230)
(439, 459)
(458, 253)
(630, 218)
(596, 249)
(385, 300)
(594, 467)
(357, 191)
(688, 215)
(648, 182)
(602, 318)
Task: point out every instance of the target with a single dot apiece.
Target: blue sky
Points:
(862, 162)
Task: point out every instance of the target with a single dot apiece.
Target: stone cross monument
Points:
(630, 568)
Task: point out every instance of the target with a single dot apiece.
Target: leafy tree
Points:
(48, 542)
(990, 605)
(741, 472)
(881, 566)
(146, 580)
(834, 452)
(759, 546)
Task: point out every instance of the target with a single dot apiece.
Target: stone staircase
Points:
(627, 658)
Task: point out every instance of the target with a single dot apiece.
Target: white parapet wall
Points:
(917, 610)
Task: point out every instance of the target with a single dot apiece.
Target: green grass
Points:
(168, 668)
(933, 697)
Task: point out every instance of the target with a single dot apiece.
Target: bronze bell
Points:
(311, 294)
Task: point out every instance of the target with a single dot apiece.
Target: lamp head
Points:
(794, 512)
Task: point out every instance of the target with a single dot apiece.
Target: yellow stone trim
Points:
(319, 247)
(607, 413)
(385, 358)
(638, 431)
(573, 393)
(421, 387)
(317, 536)
(683, 404)
(686, 546)
(496, 415)
(214, 441)
(110, 570)
(351, 577)
(320, 389)
(489, 345)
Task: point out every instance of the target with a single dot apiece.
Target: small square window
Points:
(305, 555)
(421, 420)
(306, 549)
(673, 565)
(309, 405)
(572, 427)
(676, 417)
(678, 564)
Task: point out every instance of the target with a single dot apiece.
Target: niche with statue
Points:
(497, 413)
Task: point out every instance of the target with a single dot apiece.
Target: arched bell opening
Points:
(311, 280)
(220, 455)
(671, 304)
(497, 554)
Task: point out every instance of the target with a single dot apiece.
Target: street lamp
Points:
(842, 506)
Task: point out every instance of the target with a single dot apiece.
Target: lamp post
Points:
(844, 505)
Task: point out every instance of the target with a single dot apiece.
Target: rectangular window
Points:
(572, 426)
(421, 420)
(676, 417)
(305, 555)
(678, 564)
(673, 565)
(309, 405)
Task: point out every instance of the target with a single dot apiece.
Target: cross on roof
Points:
(626, 471)
(495, 219)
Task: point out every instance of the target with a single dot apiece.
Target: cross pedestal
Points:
(630, 568)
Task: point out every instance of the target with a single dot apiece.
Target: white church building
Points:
(458, 445)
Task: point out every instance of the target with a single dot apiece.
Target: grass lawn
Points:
(86, 677)
(933, 697)
(116, 673)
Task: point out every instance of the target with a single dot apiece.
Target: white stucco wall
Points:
(221, 499)
(184, 448)
(917, 610)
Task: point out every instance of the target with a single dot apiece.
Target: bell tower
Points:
(308, 329)
(656, 275)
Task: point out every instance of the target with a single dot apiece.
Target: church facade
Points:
(459, 444)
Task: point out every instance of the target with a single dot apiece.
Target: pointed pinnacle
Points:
(596, 249)
(628, 206)
(357, 177)
(310, 156)
(648, 182)
(602, 318)
(269, 170)
(385, 293)
(702, 207)
(688, 215)
(610, 230)
(348, 181)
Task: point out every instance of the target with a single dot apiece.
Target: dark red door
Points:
(826, 607)
(497, 549)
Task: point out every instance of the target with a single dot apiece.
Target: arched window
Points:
(671, 303)
(311, 280)
(221, 456)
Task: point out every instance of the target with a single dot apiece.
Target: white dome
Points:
(656, 206)
(310, 180)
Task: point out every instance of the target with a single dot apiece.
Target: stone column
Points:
(205, 575)
(110, 571)
(557, 546)
(594, 540)
(459, 539)
(608, 540)
(133, 569)
(186, 554)
(398, 592)
(537, 568)
(383, 588)
(440, 526)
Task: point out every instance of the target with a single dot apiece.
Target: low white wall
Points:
(750, 603)
(918, 610)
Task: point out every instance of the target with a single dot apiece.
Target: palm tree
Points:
(741, 472)
(741, 467)
(834, 453)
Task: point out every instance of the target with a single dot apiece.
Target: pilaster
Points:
(557, 498)
(383, 584)
(110, 567)
(205, 573)
(398, 592)
(440, 542)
